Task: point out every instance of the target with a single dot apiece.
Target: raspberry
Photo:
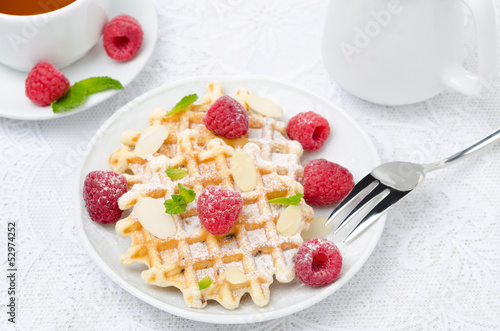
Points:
(101, 191)
(227, 118)
(309, 129)
(45, 84)
(122, 38)
(219, 209)
(326, 182)
(318, 262)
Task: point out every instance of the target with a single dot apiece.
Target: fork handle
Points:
(481, 144)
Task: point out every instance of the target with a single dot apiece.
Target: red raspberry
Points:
(326, 182)
(122, 38)
(101, 191)
(318, 262)
(309, 129)
(227, 118)
(219, 209)
(45, 84)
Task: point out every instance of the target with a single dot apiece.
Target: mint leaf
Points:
(205, 282)
(75, 96)
(179, 202)
(172, 208)
(174, 173)
(99, 84)
(187, 194)
(79, 91)
(183, 104)
(178, 199)
(293, 200)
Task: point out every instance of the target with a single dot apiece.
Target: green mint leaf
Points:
(178, 199)
(99, 84)
(75, 96)
(79, 91)
(179, 202)
(173, 208)
(205, 282)
(183, 104)
(293, 200)
(186, 193)
(178, 173)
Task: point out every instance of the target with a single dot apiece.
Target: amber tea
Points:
(31, 7)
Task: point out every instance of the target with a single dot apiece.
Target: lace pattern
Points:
(436, 266)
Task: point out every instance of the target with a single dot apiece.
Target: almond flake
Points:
(243, 170)
(289, 221)
(151, 140)
(151, 214)
(234, 275)
(263, 106)
(317, 228)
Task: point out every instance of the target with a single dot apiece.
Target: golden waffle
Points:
(253, 245)
(269, 134)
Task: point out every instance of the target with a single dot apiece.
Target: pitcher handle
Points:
(459, 78)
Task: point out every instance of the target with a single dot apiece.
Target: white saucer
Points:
(348, 145)
(15, 104)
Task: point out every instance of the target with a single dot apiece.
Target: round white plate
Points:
(348, 145)
(16, 105)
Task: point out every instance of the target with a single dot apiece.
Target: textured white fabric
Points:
(437, 265)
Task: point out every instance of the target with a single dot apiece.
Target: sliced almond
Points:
(234, 275)
(289, 221)
(317, 228)
(151, 140)
(151, 214)
(263, 106)
(243, 170)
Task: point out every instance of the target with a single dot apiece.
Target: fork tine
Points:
(374, 193)
(357, 189)
(393, 197)
(377, 190)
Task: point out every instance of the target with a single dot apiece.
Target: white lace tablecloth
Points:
(437, 265)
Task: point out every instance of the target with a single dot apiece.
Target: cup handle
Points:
(463, 80)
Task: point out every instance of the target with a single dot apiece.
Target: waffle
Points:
(253, 245)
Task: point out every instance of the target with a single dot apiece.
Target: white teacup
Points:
(397, 52)
(60, 37)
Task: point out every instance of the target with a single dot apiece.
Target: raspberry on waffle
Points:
(253, 245)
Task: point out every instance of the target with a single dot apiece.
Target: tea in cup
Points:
(57, 31)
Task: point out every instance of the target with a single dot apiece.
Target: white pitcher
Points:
(396, 52)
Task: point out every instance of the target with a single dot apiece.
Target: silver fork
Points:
(390, 182)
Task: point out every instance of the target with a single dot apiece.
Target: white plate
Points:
(16, 105)
(348, 145)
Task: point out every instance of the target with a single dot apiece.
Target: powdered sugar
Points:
(280, 159)
(169, 256)
(254, 134)
(250, 211)
(290, 256)
(201, 273)
(257, 236)
(198, 250)
(191, 224)
(229, 243)
(264, 264)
